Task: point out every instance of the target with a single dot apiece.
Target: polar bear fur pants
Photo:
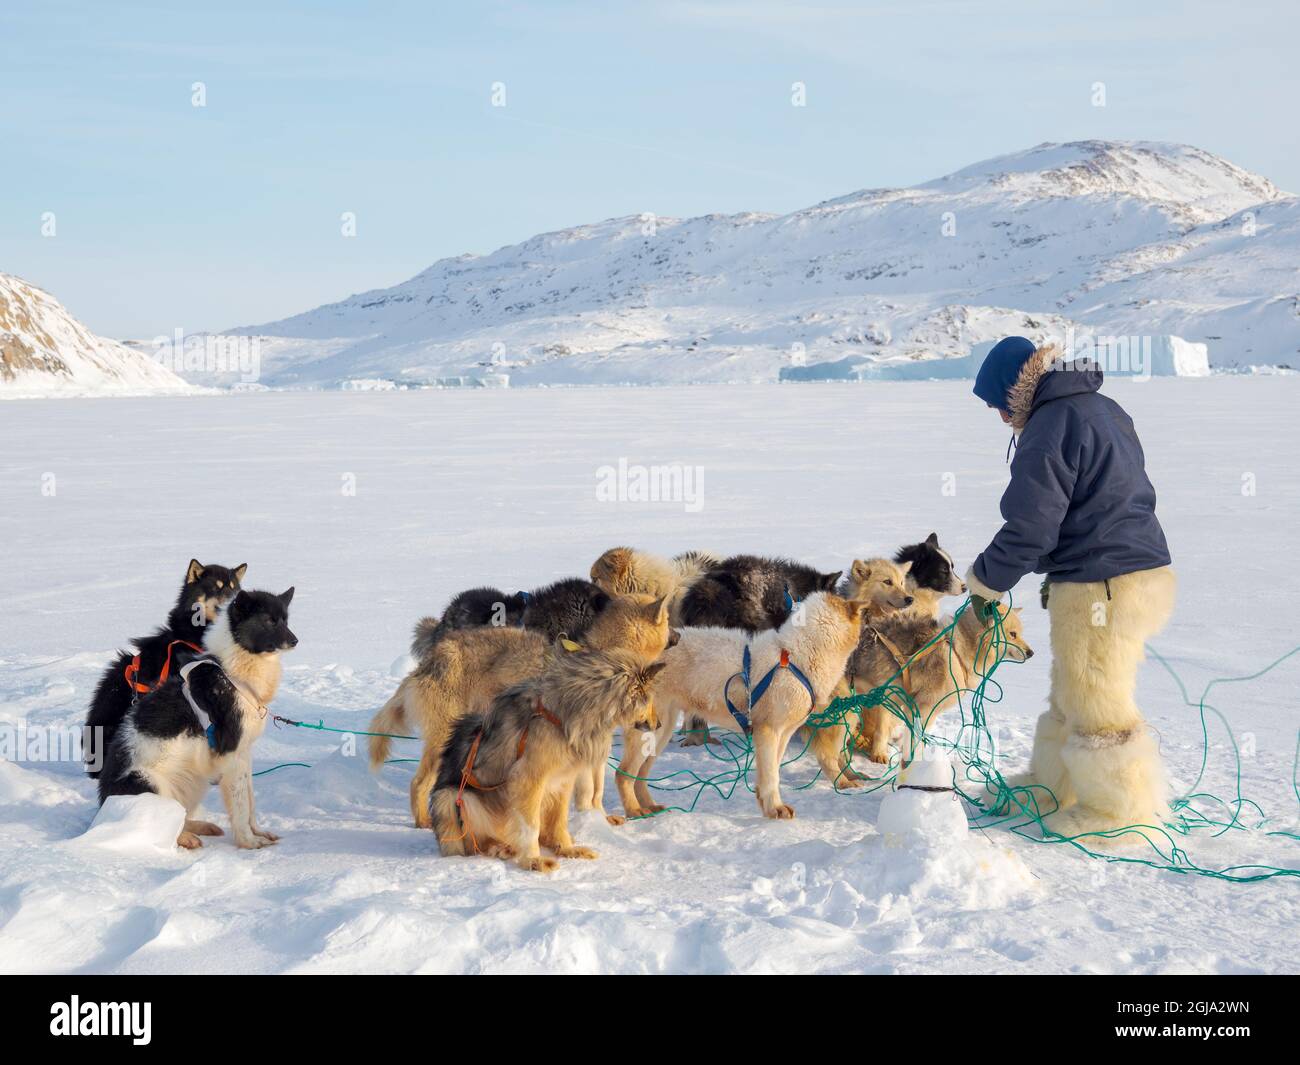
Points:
(1092, 747)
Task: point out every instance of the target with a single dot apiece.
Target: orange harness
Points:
(469, 780)
(132, 671)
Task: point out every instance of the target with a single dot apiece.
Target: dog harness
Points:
(906, 662)
(754, 694)
(132, 671)
(205, 719)
(469, 780)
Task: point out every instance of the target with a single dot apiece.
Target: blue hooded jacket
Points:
(1079, 506)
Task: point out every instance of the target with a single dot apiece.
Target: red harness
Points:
(132, 672)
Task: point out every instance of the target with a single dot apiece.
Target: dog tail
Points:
(427, 632)
(392, 718)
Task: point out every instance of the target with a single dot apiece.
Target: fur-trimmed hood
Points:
(1046, 376)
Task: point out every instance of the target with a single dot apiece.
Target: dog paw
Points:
(646, 811)
(540, 864)
(780, 812)
(846, 781)
(204, 828)
(270, 837)
(696, 739)
(499, 850)
(574, 851)
(189, 841)
(616, 819)
(252, 843)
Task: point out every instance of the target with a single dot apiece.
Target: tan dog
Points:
(879, 583)
(938, 671)
(466, 669)
(507, 776)
(884, 587)
(627, 571)
(819, 637)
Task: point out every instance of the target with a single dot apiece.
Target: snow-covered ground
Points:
(102, 503)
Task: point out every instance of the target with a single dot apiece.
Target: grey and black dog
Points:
(752, 592)
(564, 608)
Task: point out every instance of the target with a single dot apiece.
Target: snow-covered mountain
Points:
(44, 351)
(1111, 237)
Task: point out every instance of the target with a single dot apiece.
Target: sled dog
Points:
(808, 652)
(205, 590)
(466, 669)
(565, 608)
(935, 670)
(200, 726)
(506, 775)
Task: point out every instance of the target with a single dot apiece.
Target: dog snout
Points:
(1028, 654)
(908, 600)
(290, 641)
(673, 637)
(962, 589)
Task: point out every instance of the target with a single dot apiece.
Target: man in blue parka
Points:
(1081, 510)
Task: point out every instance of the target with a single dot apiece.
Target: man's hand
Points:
(983, 599)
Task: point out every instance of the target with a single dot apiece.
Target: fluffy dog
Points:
(567, 608)
(466, 669)
(200, 726)
(751, 592)
(205, 590)
(507, 775)
(931, 576)
(627, 571)
(818, 642)
(881, 584)
(933, 676)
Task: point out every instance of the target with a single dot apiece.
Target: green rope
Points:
(1020, 809)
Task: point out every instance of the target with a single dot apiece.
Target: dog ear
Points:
(830, 580)
(653, 670)
(860, 570)
(286, 597)
(905, 567)
(932, 540)
(599, 601)
(239, 571)
(658, 610)
(194, 572)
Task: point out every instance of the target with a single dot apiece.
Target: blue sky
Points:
(174, 216)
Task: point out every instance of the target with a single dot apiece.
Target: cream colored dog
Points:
(817, 640)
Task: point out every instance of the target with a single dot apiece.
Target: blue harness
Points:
(754, 694)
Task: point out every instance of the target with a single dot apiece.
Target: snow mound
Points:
(136, 824)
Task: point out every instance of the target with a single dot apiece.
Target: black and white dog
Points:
(205, 591)
(567, 608)
(751, 592)
(199, 727)
(933, 576)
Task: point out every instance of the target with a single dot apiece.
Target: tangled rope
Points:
(996, 802)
